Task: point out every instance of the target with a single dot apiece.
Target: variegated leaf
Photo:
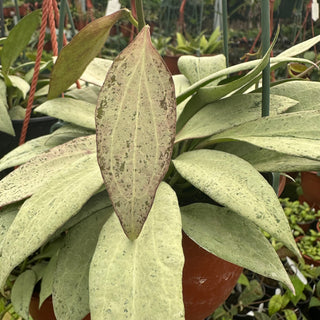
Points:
(135, 121)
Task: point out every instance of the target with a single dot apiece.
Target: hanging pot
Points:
(38, 126)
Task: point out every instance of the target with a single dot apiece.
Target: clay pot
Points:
(172, 63)
(310, 184)
(207, 280)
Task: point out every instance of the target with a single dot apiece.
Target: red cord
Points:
(45, 11)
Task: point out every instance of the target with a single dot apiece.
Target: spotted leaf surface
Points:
(56, 201)
(235, 184)
(296, 134)
(215, 228)
(135, 121)
(141, 279)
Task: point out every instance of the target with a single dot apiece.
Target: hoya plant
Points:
(98, 218)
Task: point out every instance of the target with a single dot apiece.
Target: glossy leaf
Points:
(135, 121)
(305, 92)
(215, 117)
(15, 186)
(96, 71)
(180, 84)
(296, 134)
(234, 183)
(5, 121)
(61, 197)
(75, 57)
(22, 291)
(71, 281)
(197, 68)
(80, 113)
(140, 279)
(19, 38)
(267, 160)
(216, 228)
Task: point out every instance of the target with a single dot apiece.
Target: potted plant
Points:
(300, 215)
(134, 268)
(15, 82)
(187, 45)
(309, 245)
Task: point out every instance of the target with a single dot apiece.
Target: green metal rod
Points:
(17, 9)
(225, 30)
(265, 36)
(73, 28)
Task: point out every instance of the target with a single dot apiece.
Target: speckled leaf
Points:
(197, 68)
(234, 183)
(19, 38)
(7, 216)
(81, 50)
(5, 121)
(296, 134)
(267, 160)
(216, 228)
(36, 146)
(78, 112)
(55, 202)
(215, 117)
(96, 71)
(305, 92)
(47, 279)
(22, 291)
(135, 121)
(71, 282)
(180, 84)
(15, 186)
(140, 279)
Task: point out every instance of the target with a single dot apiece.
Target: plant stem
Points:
(140, 14)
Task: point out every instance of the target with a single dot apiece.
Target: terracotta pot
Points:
(46, 310)
(310, 183)
(207, 280)
(172, 63)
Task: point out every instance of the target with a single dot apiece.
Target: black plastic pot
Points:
(37, 127)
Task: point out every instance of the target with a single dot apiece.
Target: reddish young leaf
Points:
(135, 121)
(75, 57)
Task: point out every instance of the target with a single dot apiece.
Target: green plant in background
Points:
(299, 214)
(161, 142)
(161, 43)
(199, 45)
(310, 245)
(15, 79)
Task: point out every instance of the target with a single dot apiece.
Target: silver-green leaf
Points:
(140, 279)
(234, 183)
